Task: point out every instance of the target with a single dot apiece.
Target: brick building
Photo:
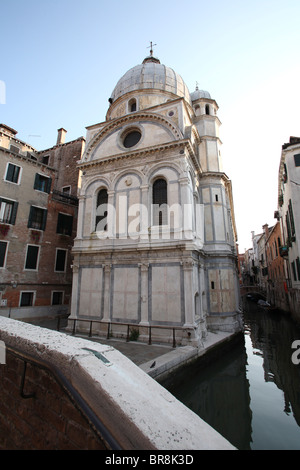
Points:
(276, 285)
(38, 217)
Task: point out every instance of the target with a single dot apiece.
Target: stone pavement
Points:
(156, 360)
(137, 352)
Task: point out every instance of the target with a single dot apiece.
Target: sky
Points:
(61, 59)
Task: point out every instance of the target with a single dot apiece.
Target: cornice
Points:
(181, 145)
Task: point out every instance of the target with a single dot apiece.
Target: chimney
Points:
(61, 136)
(266, 230)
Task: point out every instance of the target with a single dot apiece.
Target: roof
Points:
(151, 74)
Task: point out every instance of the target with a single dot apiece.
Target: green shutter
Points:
(44, 219)
(30, 217)
(14, 213)
(36, 181)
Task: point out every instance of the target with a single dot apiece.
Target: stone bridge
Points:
(244, 290)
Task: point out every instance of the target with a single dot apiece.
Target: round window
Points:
(132, 138)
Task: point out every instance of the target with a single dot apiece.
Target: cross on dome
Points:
(151, 48)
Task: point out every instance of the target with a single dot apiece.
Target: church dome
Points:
(197, 94)
(151, 74)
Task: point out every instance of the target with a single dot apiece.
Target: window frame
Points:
(62, 292)
(5, 253)
(65, 263)
(33, 292)
(37, 180)
(37, 258)
(13, 215)
(42, 226)
(67, 230)
(297, 159)
(19, 174)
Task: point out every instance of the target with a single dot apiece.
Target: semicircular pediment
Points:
(154, 129)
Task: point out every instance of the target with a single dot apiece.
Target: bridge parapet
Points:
(125, 408)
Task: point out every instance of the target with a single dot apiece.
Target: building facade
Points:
(289, 214)
(38, 219)
(156, 237)
(276, 285)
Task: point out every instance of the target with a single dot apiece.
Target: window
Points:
(297, 159)
(37, 218)
(27, 299)
(101, 211)
(57, 298)
(45, 159)
(298, 267)
(66, 190)
(207, 109)
(14, 148)
(291, 218)
(294, 270)
(60, 262)
(3, 251)
(132, 105)
(13, 173)
(64, 224)
(42, 183)
(32, 257)
(160, 201)
(8, 211)
(132, 138)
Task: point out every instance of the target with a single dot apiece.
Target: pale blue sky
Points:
(61, 59)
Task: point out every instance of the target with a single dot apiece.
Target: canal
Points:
(251, 395)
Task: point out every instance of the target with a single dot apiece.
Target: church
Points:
(156, 235)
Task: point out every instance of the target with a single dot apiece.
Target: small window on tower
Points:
(132, 105)
(207, 109)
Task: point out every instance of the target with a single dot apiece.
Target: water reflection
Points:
(251, 395)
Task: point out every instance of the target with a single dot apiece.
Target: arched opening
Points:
(207, 109)
(160, 201)
(101, 210)
(132, 105)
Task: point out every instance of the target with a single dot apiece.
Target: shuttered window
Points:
(13, 173)
(8, 211)
(37, 218)
(42, 183)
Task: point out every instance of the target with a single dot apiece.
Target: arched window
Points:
(207, 109)
(132, 105)
(101, 210)
(160, 201)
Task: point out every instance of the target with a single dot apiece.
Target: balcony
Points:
(283, 251)
(65, 198)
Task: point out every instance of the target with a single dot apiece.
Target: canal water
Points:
(251, 395)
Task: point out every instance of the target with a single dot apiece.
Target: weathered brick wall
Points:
(49, 421)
